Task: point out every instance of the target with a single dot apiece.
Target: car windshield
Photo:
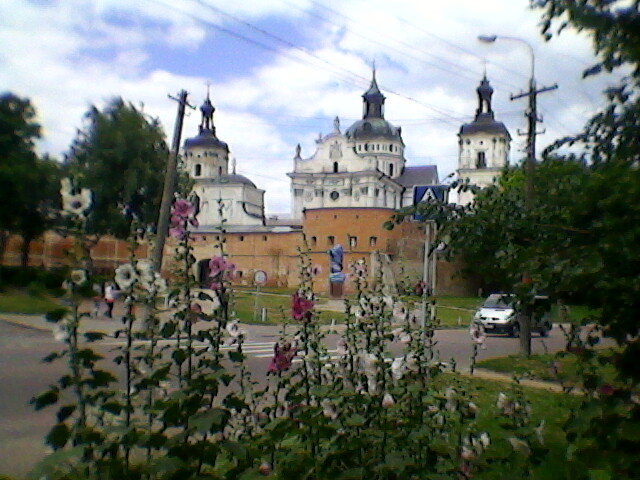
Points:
(499, 301)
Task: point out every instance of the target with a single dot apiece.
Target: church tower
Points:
(205, 155)
(220, 195)
(484, 145)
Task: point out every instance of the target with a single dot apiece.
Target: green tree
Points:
(121, 157)
(27, 182)
(39, 202)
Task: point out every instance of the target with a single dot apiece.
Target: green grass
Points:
(541, 367)
(554, 408)
(15, 301)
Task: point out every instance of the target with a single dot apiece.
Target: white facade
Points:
(484, 146)
(220, 195)
(358, 168)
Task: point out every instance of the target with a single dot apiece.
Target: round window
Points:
(334, 195)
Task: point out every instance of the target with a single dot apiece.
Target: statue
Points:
(207, 110)
(298, 151)
(336, 124)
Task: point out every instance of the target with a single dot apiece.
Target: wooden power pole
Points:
(169, 183)
(532, 121)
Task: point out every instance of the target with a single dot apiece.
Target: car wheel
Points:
(544, 331)
(514, 331)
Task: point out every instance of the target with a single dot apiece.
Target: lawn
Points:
(15, 301)
(554, 408)
(547, 367)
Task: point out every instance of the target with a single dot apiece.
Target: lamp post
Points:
(532, 120)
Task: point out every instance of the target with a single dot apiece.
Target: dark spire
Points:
(484, 99)
(207, 110)
(373, 100)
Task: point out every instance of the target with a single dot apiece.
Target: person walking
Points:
(110, 298)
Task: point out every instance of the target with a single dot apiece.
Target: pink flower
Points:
(217, 265)
(217, 286)
(176, 221)
(194, 221)
(177, 232)
(282, 357)
(183, 208)
(606, 389)
(300, 307)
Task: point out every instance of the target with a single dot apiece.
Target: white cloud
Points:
(68, 55)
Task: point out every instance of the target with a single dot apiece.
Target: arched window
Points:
(481, 162)
(335, 167)
(391, 169)
(219, 171)
(313, 241)
(197, 171)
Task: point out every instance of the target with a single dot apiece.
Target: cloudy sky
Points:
(281, 70)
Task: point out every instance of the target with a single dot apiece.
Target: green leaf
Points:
(356, 420)
(236, 356)
(45, 399)
(52, 356)
(599, 475)
(213, 420)
(54, 316)
(65, 412)
(100, 378)
(58, 436)
(94, 336)
(179, 356)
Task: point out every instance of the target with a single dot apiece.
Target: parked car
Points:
(498, 315)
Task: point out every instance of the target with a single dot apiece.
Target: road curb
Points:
(24, 323)
(485, 374)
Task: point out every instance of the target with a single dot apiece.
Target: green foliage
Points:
(120, 138)
(28, 183)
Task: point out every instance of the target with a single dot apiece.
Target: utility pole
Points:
(532, 121)
(169, 182)
(530, 164)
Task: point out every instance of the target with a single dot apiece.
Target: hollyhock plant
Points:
(301, 307)
(282, 357)
(74, 203)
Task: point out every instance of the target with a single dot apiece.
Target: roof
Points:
(373, 128)
(227, 179)
(205, 138)
(485, 123)
(424, 175)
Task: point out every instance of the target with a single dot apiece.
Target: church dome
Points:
(369, 128)
(205, 139)
(485, 124)
(229, 179)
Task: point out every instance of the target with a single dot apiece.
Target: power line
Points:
(447, 117)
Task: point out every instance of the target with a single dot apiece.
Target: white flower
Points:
(74, 204)
(502, 401)
(540, 432)
(478, 335)
(398, 367)
(328, 409)
(388, 301)
(78, 276)
(234, 330)
(473, 408)
(369, 361)
(412, 362)
(125, 276)
(145, 273)
(61, 332)
(467, 453)
(485, 440)
(372, 385)
(387, 400)
(160, 284)
(519, 445)
(450, 395)
(399, 312)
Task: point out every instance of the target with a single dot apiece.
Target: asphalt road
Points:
(23, 375)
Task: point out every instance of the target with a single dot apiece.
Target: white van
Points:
(498, 314)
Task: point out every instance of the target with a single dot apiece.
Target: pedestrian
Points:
(110, 294)
(98, 296)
